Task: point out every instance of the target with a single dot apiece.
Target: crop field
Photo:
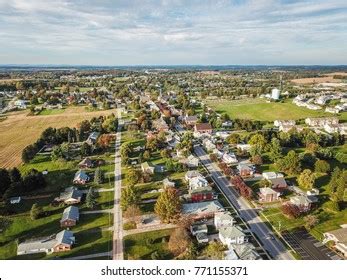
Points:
(259, 109)
(329, 78)
(20, 130)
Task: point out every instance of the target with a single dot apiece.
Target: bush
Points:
(331, 206)
(129, 226)
(149, 241)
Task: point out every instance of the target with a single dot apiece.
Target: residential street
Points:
(117, 253)
(275, 248)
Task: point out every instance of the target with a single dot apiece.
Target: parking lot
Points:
(308, 247)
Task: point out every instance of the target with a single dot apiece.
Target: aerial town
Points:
(141, 163)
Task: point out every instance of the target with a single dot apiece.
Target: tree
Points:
(98, 176)
(335, 175)
(5, 180)
(130, 196)
(146, 155)
(179, 241)
(215, 250)
(341, 186)
(86, 150)
(133, 176)
(257, 140)
(35, 212)
(168, 205)
(15, 175)
(275, 150)
(321, 166)
(289, 164)
(341, 157)
(265, 183)
(90, 198)
(257, 159)
(311, 221)
(290, 210)
(306, 179)
(133, 213)
(57, 153)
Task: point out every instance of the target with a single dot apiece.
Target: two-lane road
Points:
(275, 248)
(117, 252)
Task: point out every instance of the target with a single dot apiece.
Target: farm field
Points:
(259, 109)
(20, 130)
(329, 78)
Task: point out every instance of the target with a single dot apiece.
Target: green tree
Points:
(306, 179)
(215, 250)
(275, 152)
(341, 186)
(130, 196)
(57, 153)
(91, 198)
(5, 181)
(168, 206)
(335, 175)
(35, 212)
(321, 166)
(289, 164)
(98, 176)
(86, 150)
(146, 155)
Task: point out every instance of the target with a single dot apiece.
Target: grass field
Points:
(20, 130)
(51, 112)
(259, 109)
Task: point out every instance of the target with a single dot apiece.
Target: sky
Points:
(173, 32)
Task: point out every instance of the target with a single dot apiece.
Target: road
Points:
(274, 247)
(117, 252)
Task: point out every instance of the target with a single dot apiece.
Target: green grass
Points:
(46, 112)
(259, 109)
(136, 246)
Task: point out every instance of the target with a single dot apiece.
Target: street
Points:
(275, 248)
(117, 252)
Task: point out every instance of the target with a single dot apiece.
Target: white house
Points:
(197, 182)
(229, 158)
(339, 237)
(223, 219)
(232, 235)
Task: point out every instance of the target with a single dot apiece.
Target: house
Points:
(339, 237)
(302, 202)
(278, 183)
(271, 175)
(198, 228)
(71, 195)
(92, 138)
(332, 110)
(201, 210)
(160, 125)
(199, 194)
(209, 146)
(246, 251)
(245, 170)
(223, 134)
(203, 128)
(81, 177)
(147, 167)
(244, 147)
(192, 161)
(70, 216)
(86, 163)
(321, 121)
(223, 219)
(202, 238)
(197, 182)
(268, 195)
(229, 158)
(191, 120)
(192, 174)
(60, 242)
(279, 123)
(15, 200)
(286, 128)
(168, 184)
(21, 104)
(232, 235)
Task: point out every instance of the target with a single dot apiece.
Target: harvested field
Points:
(20, 130)
(328, 78)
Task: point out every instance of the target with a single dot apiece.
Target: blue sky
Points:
(134, 32)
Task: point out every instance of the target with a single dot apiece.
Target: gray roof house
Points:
(202, 209)
(71, 195)
(70, 216)
(81, 177)
(93, 137)
(232, 235)
(62, 241)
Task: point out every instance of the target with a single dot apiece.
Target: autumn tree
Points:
(179, 241)
(215, 250)
(35, 212)
(306, 179)
(168, 206)
(130, 196)
(311, 221)
(133, 213)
